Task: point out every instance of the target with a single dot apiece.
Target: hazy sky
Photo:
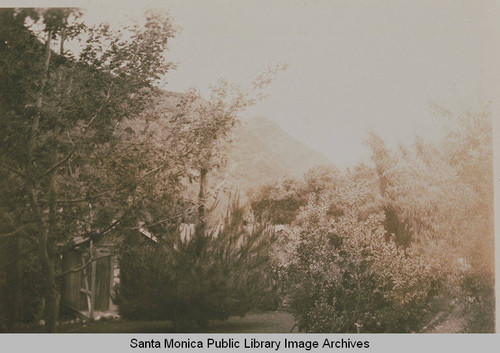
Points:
(353, 65)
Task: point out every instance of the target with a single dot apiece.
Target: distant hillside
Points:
(262, 152)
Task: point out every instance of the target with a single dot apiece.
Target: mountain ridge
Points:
(262, 153)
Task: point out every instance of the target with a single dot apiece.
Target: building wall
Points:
(73, 283)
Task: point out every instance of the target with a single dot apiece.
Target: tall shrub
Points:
(346, 276)
(191, 280)
(443, 193)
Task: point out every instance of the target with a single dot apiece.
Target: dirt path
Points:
(450, 321)
(454, 323)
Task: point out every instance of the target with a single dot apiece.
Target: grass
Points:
(446, 320)
(261, 322)
(267, 322)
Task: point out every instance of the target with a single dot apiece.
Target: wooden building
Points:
(90, 275)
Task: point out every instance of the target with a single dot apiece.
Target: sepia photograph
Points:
(224, 166)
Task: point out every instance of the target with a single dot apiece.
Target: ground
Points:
(448, 317)
(262, 322)
(451, 322)
(448, 320)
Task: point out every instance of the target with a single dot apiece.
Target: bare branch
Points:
(14, 170)
(61, 162)
(92, 197)
(15, 232)
(78, 269)
(166, 220)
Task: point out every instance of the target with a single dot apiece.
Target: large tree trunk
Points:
(31, 183)
(46, 262)
(13, 289)
(51, 294)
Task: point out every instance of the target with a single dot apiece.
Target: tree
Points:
(59, 115)
(439, 198)
(278, 203)
(207, 125)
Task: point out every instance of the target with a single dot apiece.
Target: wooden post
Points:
(111, 292)
(86, 290)
(92, 283)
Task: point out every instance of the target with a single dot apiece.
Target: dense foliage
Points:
(415, 231)
(188, 281)
(86, 148)
(91, 147)
(441, 194)
(61, 145)
(346, 276)
(280, 203)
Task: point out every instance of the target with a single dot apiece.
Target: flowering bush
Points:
(346, 276)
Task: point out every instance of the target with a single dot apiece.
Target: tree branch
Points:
(14, 170)
(61, 162)
(15, 232)
(78, 269)
(75, 145)
(94, 235)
